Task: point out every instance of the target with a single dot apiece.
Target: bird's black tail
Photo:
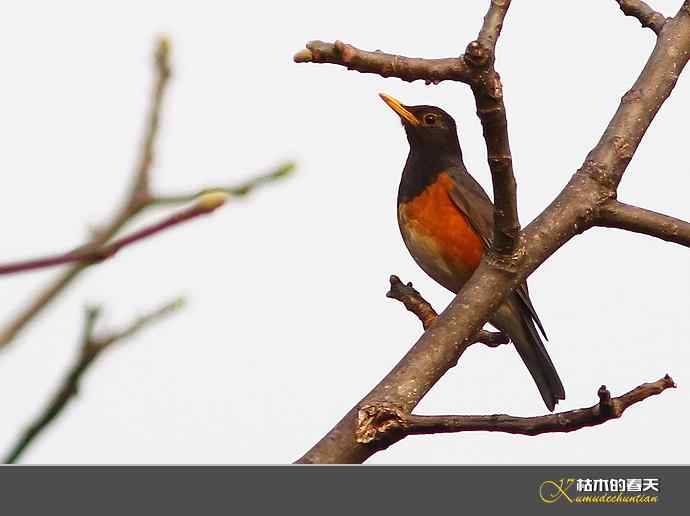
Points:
(513, 319)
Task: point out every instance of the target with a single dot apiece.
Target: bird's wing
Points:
(473, 202)
(476, 206)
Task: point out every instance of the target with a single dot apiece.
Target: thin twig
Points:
(240, 190)
(382, 421)
(90, 349)
(647, 16)
(415, 303)
(615, 214)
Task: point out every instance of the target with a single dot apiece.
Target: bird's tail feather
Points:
(518, 324)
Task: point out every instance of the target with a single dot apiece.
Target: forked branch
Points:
(475, 68)
(90, 349)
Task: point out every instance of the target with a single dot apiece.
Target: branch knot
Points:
(378, 421)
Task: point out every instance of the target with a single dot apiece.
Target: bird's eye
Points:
(429, 119)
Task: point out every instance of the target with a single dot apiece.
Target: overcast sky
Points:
(287, 325)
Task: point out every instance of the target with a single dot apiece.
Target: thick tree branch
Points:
(91, 348)
(415, 303)
(647, 16)
(615, 214)
(385, 421)
(572, 212)
(206, 204)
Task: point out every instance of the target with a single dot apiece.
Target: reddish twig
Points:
(384, 421)
(647, 16)
(206, 204)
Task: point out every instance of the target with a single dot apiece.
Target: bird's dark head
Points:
(429, 129)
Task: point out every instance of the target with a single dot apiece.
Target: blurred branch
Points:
(138, 199)
(384, 420)
(91, 348)
(206, 204)
(415, 303)
(239, 190)
(647, 16)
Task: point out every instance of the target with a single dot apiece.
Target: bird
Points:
(446, 221)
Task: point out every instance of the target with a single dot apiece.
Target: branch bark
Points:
(572, 212)
(648, 17)
(615, 214)
(383, 422)
(91, 348)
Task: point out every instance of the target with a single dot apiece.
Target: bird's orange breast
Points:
(438, 235)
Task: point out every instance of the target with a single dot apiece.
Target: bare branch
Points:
(387, 422)
(281, 171)
(206, 204)
(647, 16)
(91, 348)
(615, 214)
(488, 97)
(415, 303)
(386, 65)
(493, 23)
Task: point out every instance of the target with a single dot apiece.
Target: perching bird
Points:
(446, 221)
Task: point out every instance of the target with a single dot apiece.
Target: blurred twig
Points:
(239, 190)
(91, 348)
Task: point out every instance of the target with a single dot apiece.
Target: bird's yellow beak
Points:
(401, 110)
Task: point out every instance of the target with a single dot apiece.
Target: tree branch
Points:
(206, 204)
(571, 212)
(415, 303)
(408, 69)
(380, 422)
(615, 214)
(648, 17)
(91, 348)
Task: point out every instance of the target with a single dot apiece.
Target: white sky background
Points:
(287, 324)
